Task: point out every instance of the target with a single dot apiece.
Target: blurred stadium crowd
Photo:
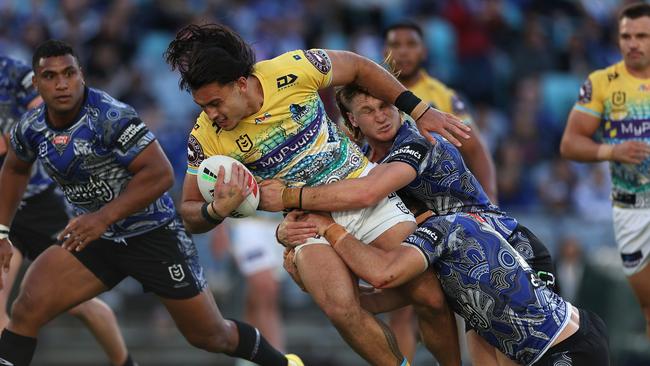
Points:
(519, 63)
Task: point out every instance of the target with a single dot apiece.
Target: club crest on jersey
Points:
(176, 272)
(244, 143)
(61, 141)
(319, 59)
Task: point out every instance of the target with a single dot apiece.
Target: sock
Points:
(255, 348)
(15, 349)
(129, 361)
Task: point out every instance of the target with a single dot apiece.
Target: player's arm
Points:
(380, 268)
(578, 144)
(199, 216)
(348, 67)
(480, 163)
(347, 194)
(14, 176)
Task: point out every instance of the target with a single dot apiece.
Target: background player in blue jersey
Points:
(486, 281)
(432, 174)
(115, 175)
(43, 203)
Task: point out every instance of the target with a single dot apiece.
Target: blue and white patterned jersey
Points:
(491, 286)
(443, 184)
(89, 158)
(16, 92)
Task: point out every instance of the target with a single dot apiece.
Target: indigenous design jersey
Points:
(439, 96)
(16, 92)
(89, 159)
(291, 136)
(491, 286)
(621, 101)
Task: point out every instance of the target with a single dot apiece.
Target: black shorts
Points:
(37, 222)
(163, 260)
(536, 255)
(589, 346)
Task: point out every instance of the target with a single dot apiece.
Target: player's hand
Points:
(5, 257)
(322, 220)
(291, 267)
(293, 232)
(83, 230)
(229, 195)
(631, 152)
(271, 195)
(445, 124)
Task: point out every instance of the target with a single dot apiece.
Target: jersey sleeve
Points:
(429, 240)
(20, 143)
(128, 137)
(590, 97)
(412, 152)
(198, 146)
(316, 65)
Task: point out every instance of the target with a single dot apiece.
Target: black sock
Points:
(16, 349)
(255, 348)
(129, 361)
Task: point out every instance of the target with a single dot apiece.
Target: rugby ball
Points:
(207, 176)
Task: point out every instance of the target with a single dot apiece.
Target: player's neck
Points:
(378, 150)
(63, 119)
(410, 80)
(255, 95)
(642, 73)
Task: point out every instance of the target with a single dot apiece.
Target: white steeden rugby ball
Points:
(207, 176)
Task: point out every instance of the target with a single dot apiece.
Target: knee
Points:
(92, 308)
(28, 310)
(342, 312)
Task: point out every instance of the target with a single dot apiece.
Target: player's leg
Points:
(640, 283)
(258, 260)
(402, 323)
(101, 321)
(8, 280)
(480, 351)
(55, 282)
(334, 289)
(436, 321)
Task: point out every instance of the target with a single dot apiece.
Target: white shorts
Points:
(632, 232)
(369, 223)
(254, 245)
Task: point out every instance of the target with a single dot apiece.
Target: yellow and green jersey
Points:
(439, 96)
(291, 137)
(622, 102)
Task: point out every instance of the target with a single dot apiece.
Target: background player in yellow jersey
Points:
(614, 104)
(269, 116)
(405, 51)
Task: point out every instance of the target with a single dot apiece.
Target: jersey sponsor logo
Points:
(131, 134)
(586, 91)
(430, 234)
(295, 143)
(244, 143)
(286, 81)
(195, 153)
(319, 59)
(176, 272)
(85, 193)
(263, 118)
(631, 129)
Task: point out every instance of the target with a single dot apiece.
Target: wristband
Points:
(292, 197)
(334, 234)
(407, 101)
(206, 214)
(277, 237)
(605, 152)
(4, 232)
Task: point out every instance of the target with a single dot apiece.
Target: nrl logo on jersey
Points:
(244, 143)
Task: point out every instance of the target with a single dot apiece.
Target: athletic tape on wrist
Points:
(206, 214)
(334, 234)
(292, 197)
(605, 152)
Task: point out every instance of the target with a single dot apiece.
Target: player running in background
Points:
(434, 175)
(43, 203)
(610, 123)
(115, 175)
(268, 115)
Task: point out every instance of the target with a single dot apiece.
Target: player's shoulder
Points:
(608, 74)
(105, 107)
(318, 58)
